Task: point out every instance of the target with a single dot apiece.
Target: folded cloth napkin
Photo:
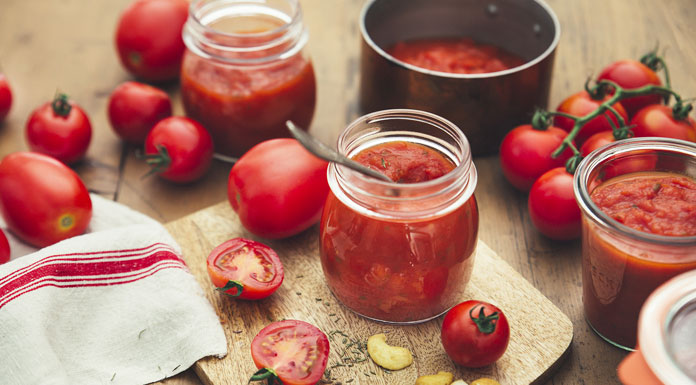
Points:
(116, 305)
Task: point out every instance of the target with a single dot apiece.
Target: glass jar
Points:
(395, 252)
(245, 71)
(667, 337)
(621, 266)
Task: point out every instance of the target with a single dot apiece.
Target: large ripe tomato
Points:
(294, 352)
(4, 248)
(5, 97)
(41, 199)
(552, 206)
(659, 120)
(475, 333)
(632, 74)
(148, 38)
(581, 104)
(60, 129)
(179, 149)
(278, 188)
(134, 108)
(245, 269)
(525, 154)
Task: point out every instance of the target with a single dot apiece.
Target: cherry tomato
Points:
(658, 120)
(640, 161)
(179, 149)
(5, 97)
(60, 129)
(552, 206)
(475, 333)
(525, 154)
(41, 199)
(4, 248)
(294, 352)
(277, 188)
(148, 38)
(581, 104)
(632, 74)
(596, 141)
(245, 269)
(134, 108)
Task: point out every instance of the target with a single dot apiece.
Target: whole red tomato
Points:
(581, 104)
(148, 38)
(4, 248)
(41, 199)
(552, 206)
(632, 74)
(134, 108)
(525, 154)
(60, 129)
(179, 149)
(5, 97)
(660, 120)
(278, 188)
(475, 333)
(596, 141)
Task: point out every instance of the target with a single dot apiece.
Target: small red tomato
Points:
(552, 206)
(134, 108)
(41, 199)
(179, 149)
(525, 154)
(631, 74)
(293, 352)
(639, 161)
(581, 104)
(5, 97)
(475, 334)
(148, 38)
(659, 120)
(4, 248)
(245, 269)
(60, 129)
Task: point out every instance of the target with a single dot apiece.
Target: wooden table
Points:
(68, 45)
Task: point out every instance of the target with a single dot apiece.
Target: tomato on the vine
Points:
(134, 108)
(294, 352)
(596, 141)
(525, 154)
(5, 97)
(42, 200)
(581, 104)
(179, 149)
(475, 333)
(631, 74)
(60, 129)
(245, 269)
(659, 120)
(552, 206)
(278, 188)
(4, 248)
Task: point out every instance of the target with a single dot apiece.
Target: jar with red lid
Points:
(245, 70)
(402, 251)
(638, 203)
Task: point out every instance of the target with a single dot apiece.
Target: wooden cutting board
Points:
(540, 332)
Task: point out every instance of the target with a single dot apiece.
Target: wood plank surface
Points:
(68, 44)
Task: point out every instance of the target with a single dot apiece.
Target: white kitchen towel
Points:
(116, 305)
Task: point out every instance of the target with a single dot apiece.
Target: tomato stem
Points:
(231, 285)
(541, 120)
(266, 374)
(681, 111)
(656, 63)
(60, 104)
(484, 322)
(158, 162)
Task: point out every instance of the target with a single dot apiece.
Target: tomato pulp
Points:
(619, 274)
(454, 55)
(394, 268)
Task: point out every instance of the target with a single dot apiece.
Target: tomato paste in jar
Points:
(454, 55)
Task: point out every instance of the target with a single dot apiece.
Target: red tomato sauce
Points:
(454, 55)
(619, 275)
(399, 270)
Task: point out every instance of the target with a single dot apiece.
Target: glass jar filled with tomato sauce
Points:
(638, 200)
(245, 71)
(401, 251)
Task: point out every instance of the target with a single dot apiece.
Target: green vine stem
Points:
(656, 63)
(266, 374)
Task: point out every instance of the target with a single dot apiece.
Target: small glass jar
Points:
(245, 71)
(395, 252)
(621, 266)
(666, 336)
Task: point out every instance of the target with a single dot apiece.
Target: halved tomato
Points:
(245, 269)
(294, 352)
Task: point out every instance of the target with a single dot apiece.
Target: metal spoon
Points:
(327, 153)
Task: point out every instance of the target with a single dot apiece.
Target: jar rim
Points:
(196, 4)
(626, 146)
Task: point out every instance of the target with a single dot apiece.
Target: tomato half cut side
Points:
(245, 269)
(294, 352)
